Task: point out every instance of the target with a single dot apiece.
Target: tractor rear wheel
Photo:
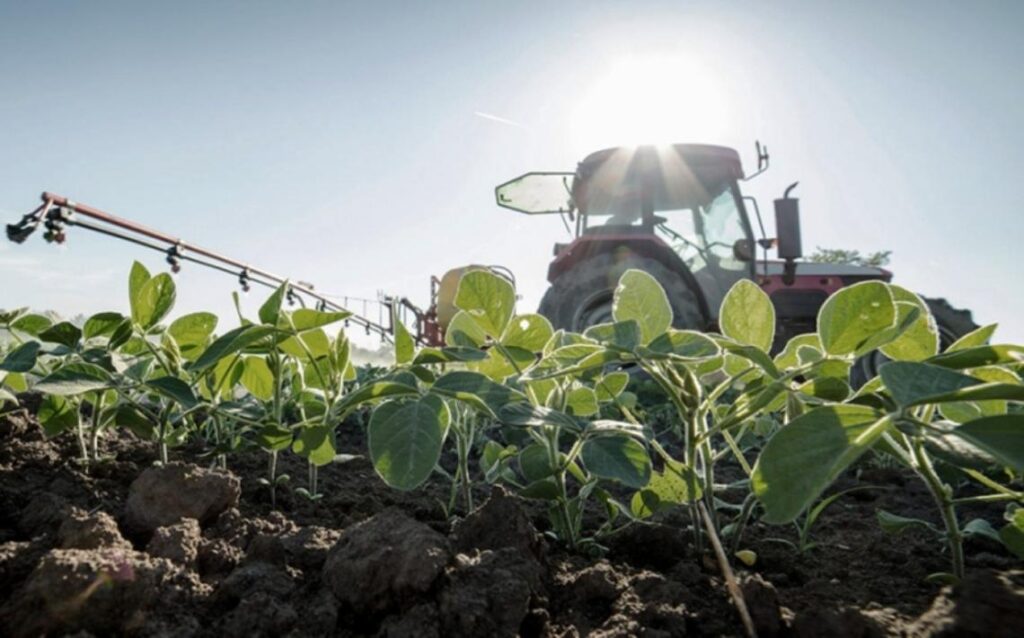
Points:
(952, 323)
(582, 297)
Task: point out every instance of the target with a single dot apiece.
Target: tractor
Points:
(677, 212)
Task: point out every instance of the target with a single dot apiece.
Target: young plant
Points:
(899, 412)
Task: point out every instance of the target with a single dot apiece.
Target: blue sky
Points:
(350, 144)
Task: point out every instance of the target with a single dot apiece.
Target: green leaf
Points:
(464, 331)
(74, 378)
(581, 402)
(22, 358)
(130, 417)
(315, 341)
(529, 332)
(535, 464)
(686, 345)
(230, 343)
(677, 485)
(488, 299)
(748, 316)
(155, 300)
(374, 392)
(1001, 436)
(752, 354)
(989, 392)
(977, 337)
(448, 354)
(56, 414)
(102, 324)
(405, 347)
(545, 490)
(257, 377)
(895, 524)
(640, 298)
(31, 324)
(6, 395)
(611, 385)
(789, 358)
(918, 341)
(912, 383)
(476, 389)
(405, 440)
(621, 334)
(979, 356)
(273, 437)
(307, 318)
(15, 381)
(526, 415)
(64, 333)
(342, 351)
(803, 458)
(317, 444)
(192, 330)
(270, 311)
(175, 389)
(137, 278)
(853, 315)
(1012, 534)
(618, 458)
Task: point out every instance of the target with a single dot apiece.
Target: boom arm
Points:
(58, 212)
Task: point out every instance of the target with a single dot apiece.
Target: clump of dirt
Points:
(166, 494)
(128, 547)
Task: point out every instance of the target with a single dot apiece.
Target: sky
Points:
(356, 145)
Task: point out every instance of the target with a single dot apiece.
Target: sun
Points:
(650, 99)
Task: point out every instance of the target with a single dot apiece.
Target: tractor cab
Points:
(678, 205)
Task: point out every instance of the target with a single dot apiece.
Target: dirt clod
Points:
(81, 530)
(164, 495)
(102, 591)
(986, 603)
(385, 562)
(763, 604)
(490, 594)
(178, 543)
(501, 522)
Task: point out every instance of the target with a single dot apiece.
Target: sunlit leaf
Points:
(640, 298)
(747, 315)
(853, 315)
(488, 299)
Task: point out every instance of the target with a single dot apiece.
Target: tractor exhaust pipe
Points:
(787, 229)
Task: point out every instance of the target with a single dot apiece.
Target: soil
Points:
(126, 548)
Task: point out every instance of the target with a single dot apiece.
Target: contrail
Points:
(501, 120)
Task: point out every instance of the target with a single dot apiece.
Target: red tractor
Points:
(677, 212)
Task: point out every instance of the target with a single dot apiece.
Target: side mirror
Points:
(787, 226)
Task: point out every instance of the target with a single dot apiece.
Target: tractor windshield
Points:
(711, 239)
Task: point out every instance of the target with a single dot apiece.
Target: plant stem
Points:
(563, 496)
(273, 479)
(741, 525)
(728, 575)
(80, 429)
(943, 498)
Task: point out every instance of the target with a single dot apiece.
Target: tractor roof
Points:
(675, 176)
(693, 155)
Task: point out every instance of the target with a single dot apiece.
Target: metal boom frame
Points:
(57, 212)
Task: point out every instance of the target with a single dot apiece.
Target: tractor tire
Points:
(582, 297)
(952, 323)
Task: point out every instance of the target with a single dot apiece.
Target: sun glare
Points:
(653, 99)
